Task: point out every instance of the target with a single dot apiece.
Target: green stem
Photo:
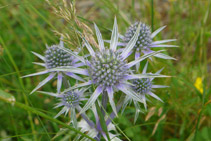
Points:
(104, 102)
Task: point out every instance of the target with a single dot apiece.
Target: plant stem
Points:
(103, 109)
(118, 107)
(66, 83)
(84, 116)
(104, 102)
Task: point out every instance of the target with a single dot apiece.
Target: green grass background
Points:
(27, 26)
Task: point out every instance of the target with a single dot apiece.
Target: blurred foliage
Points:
(27, 26)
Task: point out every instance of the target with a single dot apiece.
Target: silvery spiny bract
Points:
(143, 87)
(145, 42)
(56, 57)
(100, 63)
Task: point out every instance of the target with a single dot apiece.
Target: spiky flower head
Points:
(142, 86)
(145, 42)
(56, 57)
(144, 39)
(70, 99)
(107, 68)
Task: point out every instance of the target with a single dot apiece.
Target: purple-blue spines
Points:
(70, 99)
(56, 57)
(144, 39)
(142, 86)
(107, 68)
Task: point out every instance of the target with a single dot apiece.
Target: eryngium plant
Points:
(108, 69)
(105, 72)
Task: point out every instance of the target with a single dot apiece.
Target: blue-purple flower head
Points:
(107, 68)
(69, 101)
(144, 38)
(145, 43)
(142, 86)
(55, 57)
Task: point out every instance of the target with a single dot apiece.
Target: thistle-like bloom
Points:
(143, 87)
(54, 58)
(144, 39)
(145, 42)
(108, 68)
(70, 101)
